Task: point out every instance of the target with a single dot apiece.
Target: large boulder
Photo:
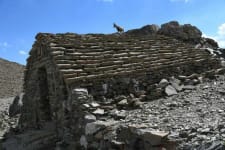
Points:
(186, 32)
(145, 30)
(209, 43)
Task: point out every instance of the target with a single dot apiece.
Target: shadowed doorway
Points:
(44, 103)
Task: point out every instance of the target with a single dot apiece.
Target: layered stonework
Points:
(68, 75)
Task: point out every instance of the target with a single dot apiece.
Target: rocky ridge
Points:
(11, 78)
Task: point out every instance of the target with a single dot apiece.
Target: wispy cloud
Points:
(221, 30)
(107, 1)
(4, 44)
(220, 36)
(186, 1)
(21, 52)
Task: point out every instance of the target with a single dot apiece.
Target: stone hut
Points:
(65, 72)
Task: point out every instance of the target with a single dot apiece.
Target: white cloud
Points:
(220, 36)
(21, 52)
(4, 44)
(221, 29)
(109, 1)
(220, 41)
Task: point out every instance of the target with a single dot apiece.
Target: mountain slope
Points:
(11, 78)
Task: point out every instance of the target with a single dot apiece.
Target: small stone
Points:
(173, 135)
(176, 84)
(183, 134)
(221, 111)
(205, 131)
(118, 114)
(94, 127)
(222, 130)
(180, 77)
(220, 71)
(153, 137)
(99, 111)
(193, 76)
(123, 102)
(173, 104)
(205, 87)
(118, 144)
(86, 105)
(163, 83)
(165, 120)
(94, 104)
(170, 90)
(198, 110)
(200, 79)
(189, 87)
(83, 142)
(119, 98)
(195, 81)
(222, 92)
(89, 118)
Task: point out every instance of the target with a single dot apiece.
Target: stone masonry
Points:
(68, 76)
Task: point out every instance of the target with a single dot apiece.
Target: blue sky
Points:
(21, 20)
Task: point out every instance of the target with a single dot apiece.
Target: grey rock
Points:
(195, 81)
(146, 30)
(163, 83)
(94, 104)
(189, 87)
(222, 130)
(170, 90)
(89, 118)
(99, 111)
(215, 145)
(193, 76)
(86, 105)
(153, 137)
(176, 83)
(182, 78)
(118, 114)
(93, 127)
(83, 141)
(123, 102)
(82, 91)
(220, 71)
(120, 98)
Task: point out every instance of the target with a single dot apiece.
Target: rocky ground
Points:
(5, 121)
(195, 117)
(11, 78)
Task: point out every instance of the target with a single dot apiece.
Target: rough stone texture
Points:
(6, 122)
(83, 88)
(11, 78)
(146, 30)
(184, 32)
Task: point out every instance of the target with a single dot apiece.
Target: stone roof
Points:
(96, 56)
